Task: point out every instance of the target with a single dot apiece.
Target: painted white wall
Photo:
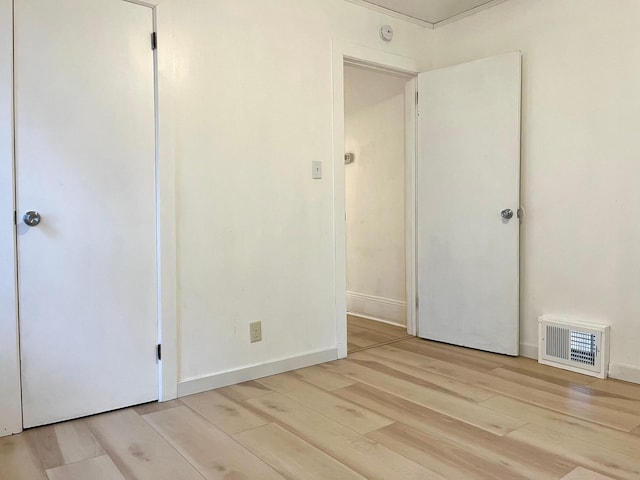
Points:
(375, 193)
(580, 152)
(252, 109)
(10, 406)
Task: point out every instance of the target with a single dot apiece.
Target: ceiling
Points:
(432, 11)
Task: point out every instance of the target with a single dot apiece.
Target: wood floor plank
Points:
(636, 431)
(244, 391)
(579, 392)
(338, 409)
(215, 454)
(323, 378)
(423, 377)
(156, 406)
(368, 338)
(617, 387)
(513, 456)
(63, 443)
(18, 461)
(528, 367)
(574, 405)
(292, 457)
(584, 474)
(391, 331)
(137, 449)
(391, 353)
(452, 406)
(352, 329)
(229, 416)
(616, 440)
(369, 459)
(98, 468)
(598, 459)
(423, 347)
(445, 457)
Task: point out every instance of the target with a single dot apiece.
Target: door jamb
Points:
(357, 54)
(166, 245)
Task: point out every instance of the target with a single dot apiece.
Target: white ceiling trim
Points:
(417, 21)
(392, 13)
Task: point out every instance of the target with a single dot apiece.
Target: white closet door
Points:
(468, 182)
(85, 161)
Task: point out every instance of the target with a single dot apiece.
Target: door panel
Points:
(85, 160)
(468, 172)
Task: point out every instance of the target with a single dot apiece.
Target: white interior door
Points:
(85, 161)
(468, 173)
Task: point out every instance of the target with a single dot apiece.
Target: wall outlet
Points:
(255, 332)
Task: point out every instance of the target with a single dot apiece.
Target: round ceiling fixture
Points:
(386, 33)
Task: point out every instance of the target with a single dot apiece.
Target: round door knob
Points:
(506, 213)
(31, 218)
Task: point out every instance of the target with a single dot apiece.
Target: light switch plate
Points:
(316, 170)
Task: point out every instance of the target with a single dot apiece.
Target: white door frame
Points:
(357, 54)
(10, 396)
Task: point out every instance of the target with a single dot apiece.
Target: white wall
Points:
(252, 109)
(10, 407)
(374, 132)
(580, 156)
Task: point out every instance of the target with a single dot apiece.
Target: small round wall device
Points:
(386, 33)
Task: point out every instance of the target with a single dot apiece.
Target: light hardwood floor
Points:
(407, 410)
(363, 333)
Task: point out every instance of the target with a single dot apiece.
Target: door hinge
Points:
(416, 98)
(417, 302)
(159, 352)
(154, 41)
(15, 217)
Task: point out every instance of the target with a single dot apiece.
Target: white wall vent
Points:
(574, 345)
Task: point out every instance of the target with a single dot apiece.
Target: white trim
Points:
(244, 374)
(382, 309)
(410, 202)
(361, 55)
(10, 393)
(167, 246)
(529, 350)
(624, 372)
(471, 11)
(392, 13)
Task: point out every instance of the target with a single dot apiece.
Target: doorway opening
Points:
(376, 218)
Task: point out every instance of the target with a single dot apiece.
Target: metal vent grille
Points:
(574, 345)
(583, 348)
(571, 345)
(558, 342)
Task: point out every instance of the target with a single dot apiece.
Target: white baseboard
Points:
(231, 377)
(377, 308)
(528, 350)
(624, 372)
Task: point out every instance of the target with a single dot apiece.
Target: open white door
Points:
(85, 161)
(468, 191)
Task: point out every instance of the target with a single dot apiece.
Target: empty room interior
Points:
(302, 239)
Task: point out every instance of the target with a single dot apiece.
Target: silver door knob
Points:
(31, 218)
(506, 213)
